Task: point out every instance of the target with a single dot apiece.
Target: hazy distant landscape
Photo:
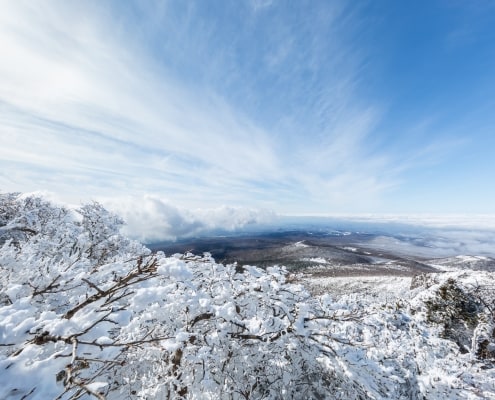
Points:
(328, 252)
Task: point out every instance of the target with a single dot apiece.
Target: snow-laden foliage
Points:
(87, 313)
(84, 311)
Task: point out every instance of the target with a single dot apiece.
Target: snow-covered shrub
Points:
(462, 306)
(456, 310)
(88, 313)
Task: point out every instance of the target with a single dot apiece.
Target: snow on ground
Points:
(353, 249)
(434, 326)
(378, 288)
(323, 270)
(463, 262)
(318, 260)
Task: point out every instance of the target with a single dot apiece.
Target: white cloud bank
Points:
(151, 219)
(439, 221)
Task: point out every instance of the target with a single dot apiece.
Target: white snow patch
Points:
(353, 249)
(95, 386)
(318, 260)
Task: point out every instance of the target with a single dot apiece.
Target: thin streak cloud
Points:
(254, 104)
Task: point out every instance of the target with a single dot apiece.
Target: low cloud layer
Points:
(412, 235)
(151, 219)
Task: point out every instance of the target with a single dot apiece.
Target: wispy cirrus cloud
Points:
(250, 104)
(76, 101)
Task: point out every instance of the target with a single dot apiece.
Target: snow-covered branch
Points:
(88, 313)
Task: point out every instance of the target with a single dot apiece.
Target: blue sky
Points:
(304, 107)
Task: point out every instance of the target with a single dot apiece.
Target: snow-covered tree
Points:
(88, 313)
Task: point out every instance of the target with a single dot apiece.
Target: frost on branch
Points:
(87, 313)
